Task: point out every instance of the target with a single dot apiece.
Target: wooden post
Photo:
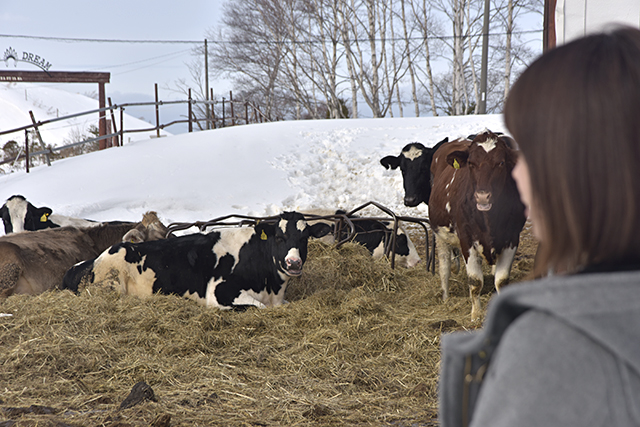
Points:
(223, 111)
(213, 111)
(190, 112)
(233, 117)
(113, 123)
(157, 113)
(246, 113)
(122, 126)
(26, 149)
(213, 116)
(102, 123)
(35, 126)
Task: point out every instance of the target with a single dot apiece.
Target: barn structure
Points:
(565, 20)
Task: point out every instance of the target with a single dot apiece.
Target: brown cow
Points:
(31, 263)
(150, 228)
(475, 205)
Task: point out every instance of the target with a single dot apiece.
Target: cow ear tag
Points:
(263, 236)
(43, 218)
(456, 165)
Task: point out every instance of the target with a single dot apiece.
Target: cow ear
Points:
(457, 159)
(320, 229)
(390, 162)
(43, 214)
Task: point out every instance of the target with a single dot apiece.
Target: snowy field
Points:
(259, 169)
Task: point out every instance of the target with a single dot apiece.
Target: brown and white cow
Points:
(31, 263)
(475, 206)
(150, 228)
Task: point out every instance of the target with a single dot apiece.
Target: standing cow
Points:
(415, 164)
(475, 205)
(226, 268)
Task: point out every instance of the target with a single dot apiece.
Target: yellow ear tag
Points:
(43, 218)
(456, 165)
(263, 236)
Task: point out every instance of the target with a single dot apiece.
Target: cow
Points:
(150, 228)
(18, 214)
(228, 268)
(31, 263)
(374, 235)
(475, 205)
(415, 164)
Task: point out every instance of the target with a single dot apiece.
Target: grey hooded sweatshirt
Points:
(562, 351)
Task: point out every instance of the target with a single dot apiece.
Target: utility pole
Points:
(482, 103)
(206, 82)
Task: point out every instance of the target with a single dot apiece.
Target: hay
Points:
(358, 344)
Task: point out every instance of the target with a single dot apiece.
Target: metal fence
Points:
(233, 113)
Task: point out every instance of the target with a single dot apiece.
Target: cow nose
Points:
(483, 200)
(410, 201)
(294, 264)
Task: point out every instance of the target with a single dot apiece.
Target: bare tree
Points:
(298, 58)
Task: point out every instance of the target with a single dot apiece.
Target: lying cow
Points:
(31, 263)
(415, 164)
(226, 268)
(18, 214)
(375, 236)
(150, 228)
(475, 205)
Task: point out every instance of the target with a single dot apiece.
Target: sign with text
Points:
(31, 58)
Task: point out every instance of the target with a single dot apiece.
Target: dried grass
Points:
(357, 345)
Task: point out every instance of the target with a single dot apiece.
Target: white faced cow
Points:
(226, 268)
(475, 205)
(415, 164)
(18, 214)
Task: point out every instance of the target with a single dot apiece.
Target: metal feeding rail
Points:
(344, 227)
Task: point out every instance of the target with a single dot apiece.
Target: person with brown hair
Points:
(564, 350)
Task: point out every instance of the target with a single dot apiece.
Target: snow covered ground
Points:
(259, 169)
(48, 102)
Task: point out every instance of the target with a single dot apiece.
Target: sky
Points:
(134, 67)
(258, 169)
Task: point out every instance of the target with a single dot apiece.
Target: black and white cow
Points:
(226, 268)
(18, 214)
(376, 236)
(415, 164)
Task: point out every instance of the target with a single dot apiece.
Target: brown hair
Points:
(575, 113)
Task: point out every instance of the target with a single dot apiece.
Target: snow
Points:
(47, 102)
(258, 169)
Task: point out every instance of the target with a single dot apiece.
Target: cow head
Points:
(415, 163)
(19, 215)
(150, 228)
(287, 240)
(489, 158)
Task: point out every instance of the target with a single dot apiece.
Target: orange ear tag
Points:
(263, 236)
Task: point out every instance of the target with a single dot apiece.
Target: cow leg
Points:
(476, 281)
(503, 265)
(246, 299)
(444, 265)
